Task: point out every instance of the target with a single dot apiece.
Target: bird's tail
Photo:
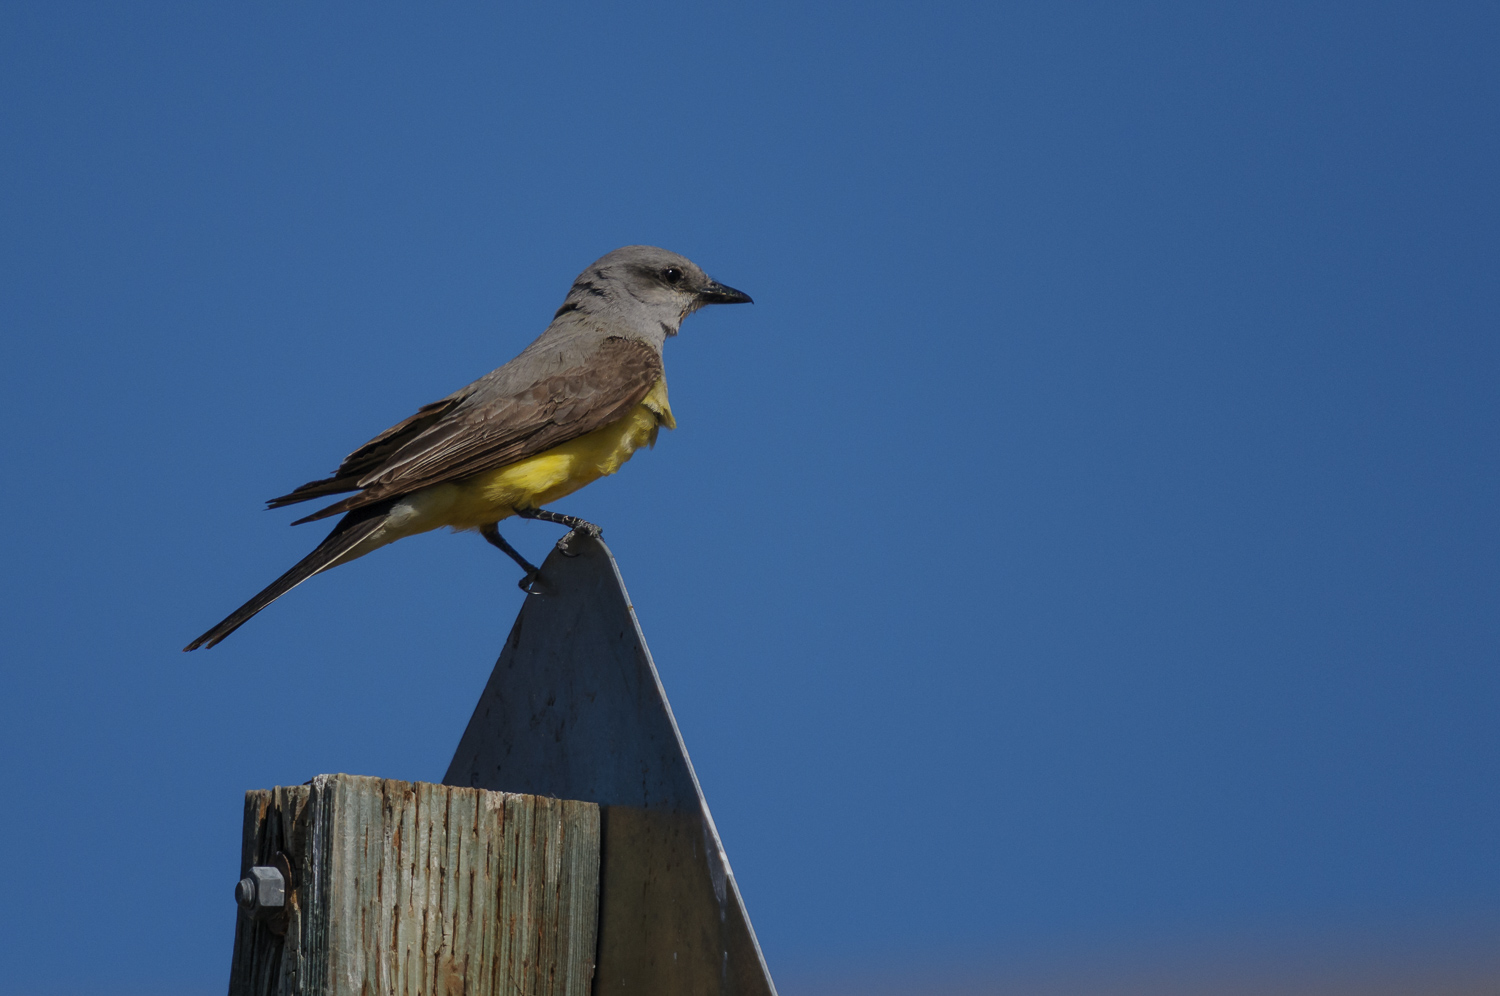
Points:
(352, 529)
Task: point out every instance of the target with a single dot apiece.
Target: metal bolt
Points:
(263, 888)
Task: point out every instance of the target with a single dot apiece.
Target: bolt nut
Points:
(263, 889)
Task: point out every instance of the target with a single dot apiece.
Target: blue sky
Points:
(1087, 542)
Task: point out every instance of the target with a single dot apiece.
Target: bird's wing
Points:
(477, 432)
(371, 455)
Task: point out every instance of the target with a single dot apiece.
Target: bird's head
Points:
(649, 284)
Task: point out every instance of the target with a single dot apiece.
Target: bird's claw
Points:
(532, 584)
(585, 529)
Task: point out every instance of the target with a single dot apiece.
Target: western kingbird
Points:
(573, 407)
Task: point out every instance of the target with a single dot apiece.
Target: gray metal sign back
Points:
(575, 709)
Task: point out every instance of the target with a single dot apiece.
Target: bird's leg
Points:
(491, 533)
(573, 522)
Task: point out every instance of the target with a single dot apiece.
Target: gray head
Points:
(647, 287)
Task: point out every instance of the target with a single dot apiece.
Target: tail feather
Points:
(353, 529)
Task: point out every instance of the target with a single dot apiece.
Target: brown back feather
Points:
(468, 439)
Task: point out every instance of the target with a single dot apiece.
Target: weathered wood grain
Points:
(415, 889)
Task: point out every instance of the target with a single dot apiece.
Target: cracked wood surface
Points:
(416, 889)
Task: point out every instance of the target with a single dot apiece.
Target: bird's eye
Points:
(671, 274)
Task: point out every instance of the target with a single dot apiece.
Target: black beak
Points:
(717, 293)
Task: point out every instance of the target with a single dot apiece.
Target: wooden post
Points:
(411, 888)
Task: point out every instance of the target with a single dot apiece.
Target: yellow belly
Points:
(550, 475)
(529, 483)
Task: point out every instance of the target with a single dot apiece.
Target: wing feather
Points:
(371, 455)
(480, 433)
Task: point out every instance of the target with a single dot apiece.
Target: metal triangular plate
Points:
(575, 709)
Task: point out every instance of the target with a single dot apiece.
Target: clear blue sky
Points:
(1088, 541)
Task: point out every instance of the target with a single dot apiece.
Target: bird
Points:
(571, 408)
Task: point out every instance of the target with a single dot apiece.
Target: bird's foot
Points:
(533, 584)
(576, 526)
(582, 529)
(531, 581)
